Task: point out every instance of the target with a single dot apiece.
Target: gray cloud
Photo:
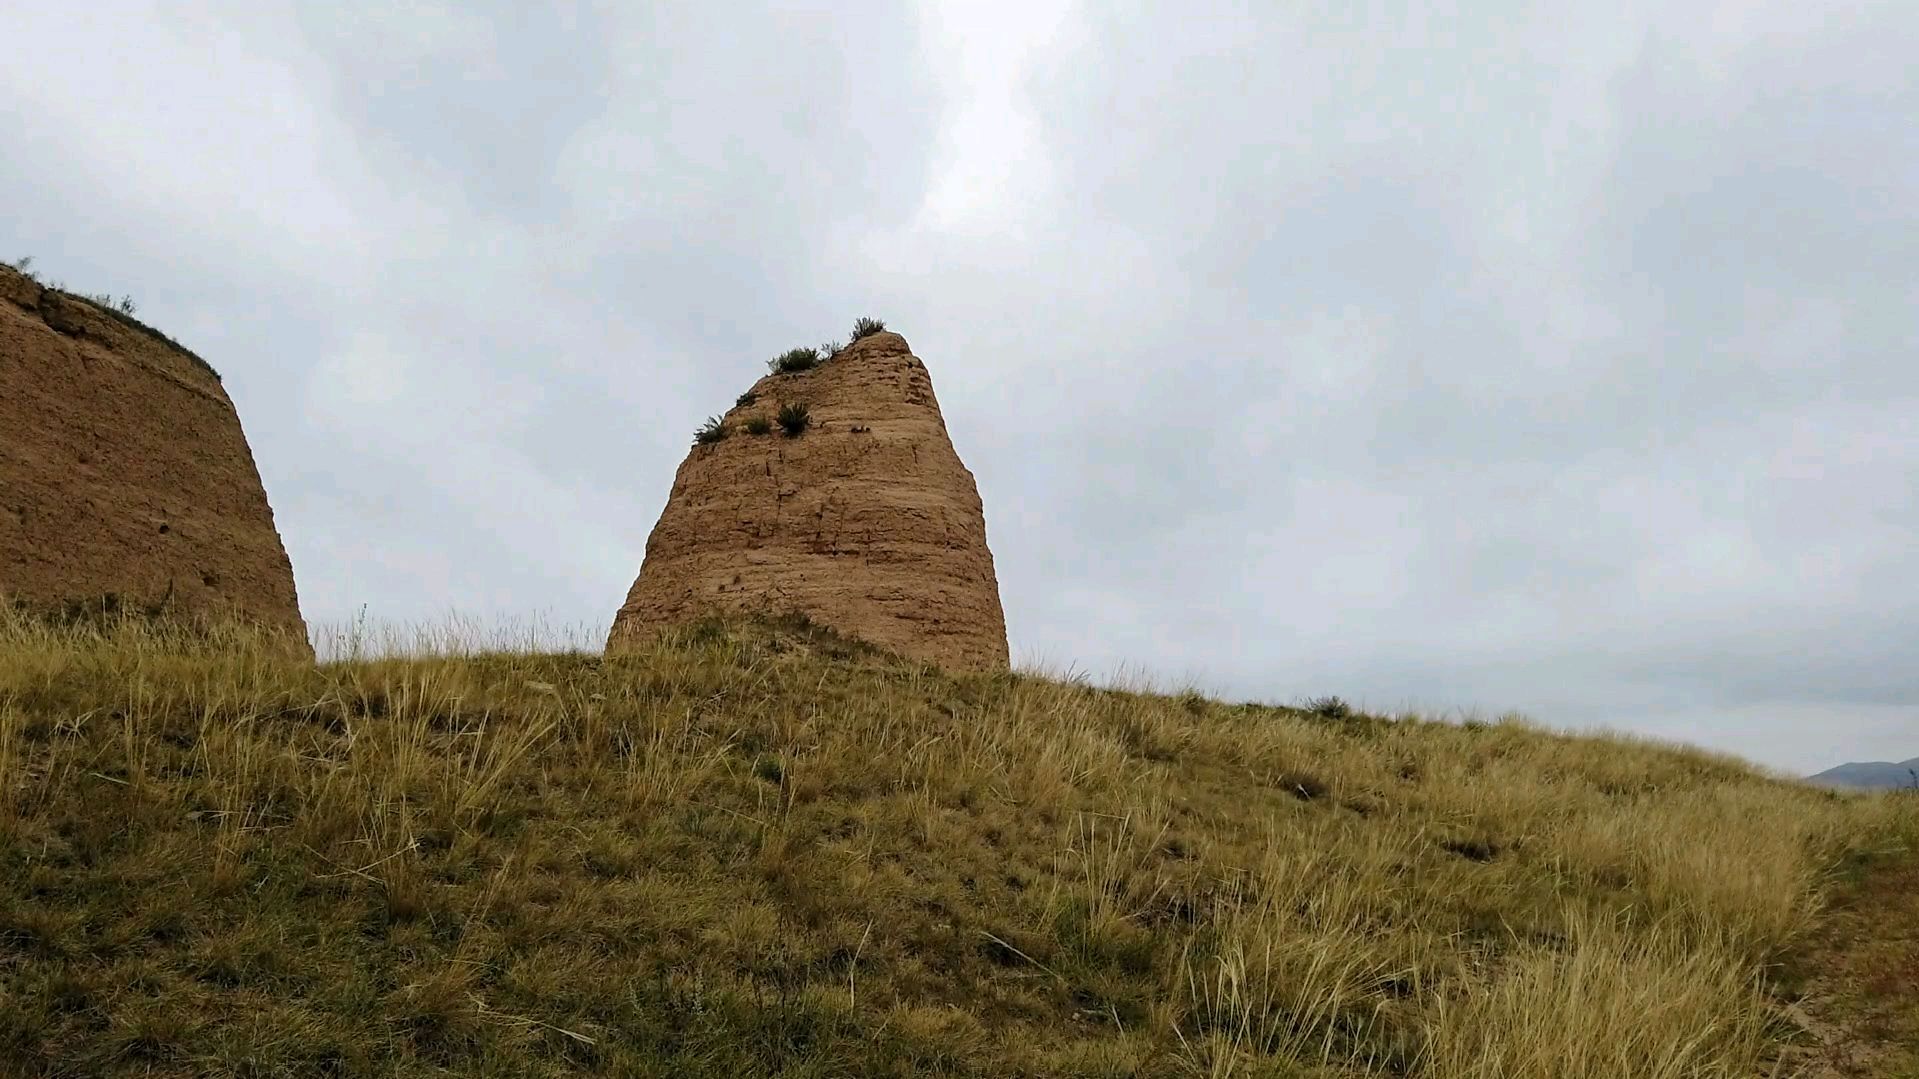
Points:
(1546, 359)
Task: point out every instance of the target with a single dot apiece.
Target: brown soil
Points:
(1858, 1006)
(125, 479)
(867, 523)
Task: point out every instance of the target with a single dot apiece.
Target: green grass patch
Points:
(713, 430)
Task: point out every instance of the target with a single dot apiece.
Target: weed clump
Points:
(794, 360)
(759, 425)
(124, 305)
(793, 419)
(121, 308)
(867, 327)
(745, 399)
(709, 432)
(1327, 707)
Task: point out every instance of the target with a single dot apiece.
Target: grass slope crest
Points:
(756, 848)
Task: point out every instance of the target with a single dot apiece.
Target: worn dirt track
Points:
(1858, 1009)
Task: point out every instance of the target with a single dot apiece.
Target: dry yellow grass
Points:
(757, 850)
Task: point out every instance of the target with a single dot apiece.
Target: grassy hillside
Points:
(759, 851)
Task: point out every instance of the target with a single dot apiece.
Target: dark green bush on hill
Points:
(794, 359)
(867, 327)
(793, 419)
(1327, 707)
(710, 432)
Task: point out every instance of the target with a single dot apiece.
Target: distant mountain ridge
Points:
(1869, 774)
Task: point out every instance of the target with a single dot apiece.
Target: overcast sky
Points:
(1561, 358)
